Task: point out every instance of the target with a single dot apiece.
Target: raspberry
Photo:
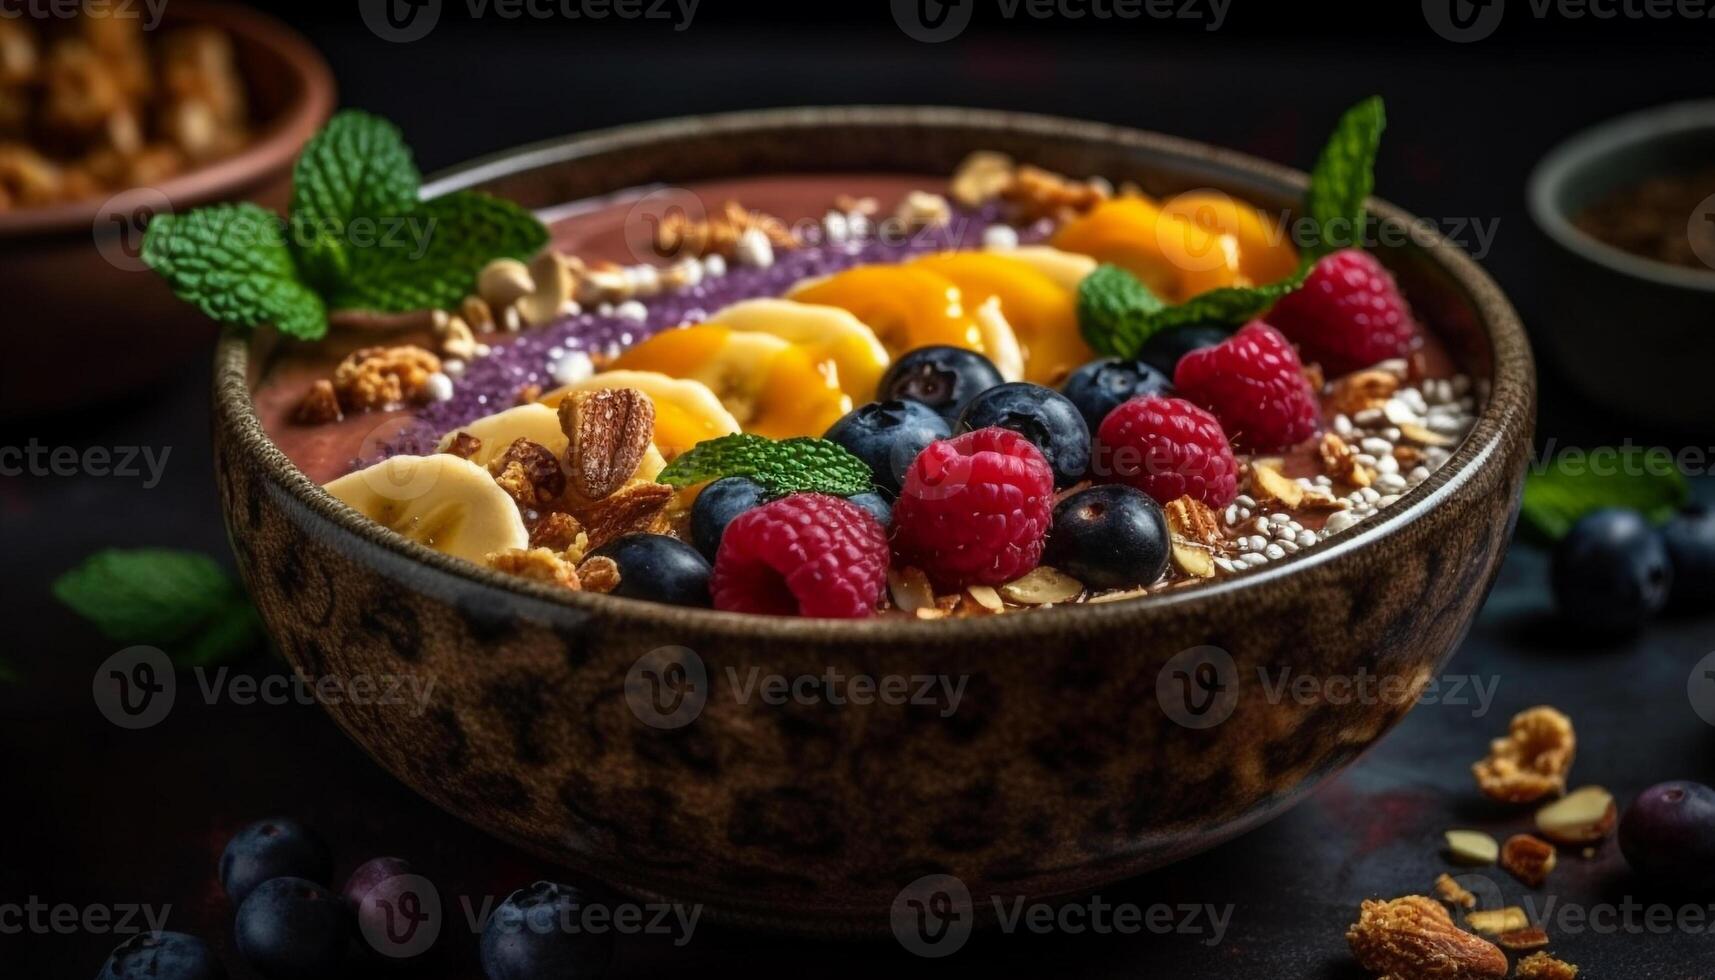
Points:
(975, 509)
(1168, 448)
(1254, 383)
(808, 555)
(1348, 315)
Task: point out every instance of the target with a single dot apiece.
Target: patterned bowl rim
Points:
(1512, 384)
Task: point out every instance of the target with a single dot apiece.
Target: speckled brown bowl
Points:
(1062, 769)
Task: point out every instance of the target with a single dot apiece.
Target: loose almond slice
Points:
(1193, 560)
(910, 589)
(1584, 816)
(1498, 922)
(1040, 586)
(986, 597)
(1271, 484)
(1472, 847)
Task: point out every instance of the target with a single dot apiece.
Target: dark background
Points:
(97, 815)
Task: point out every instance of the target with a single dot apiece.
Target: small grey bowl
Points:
(1633, 334)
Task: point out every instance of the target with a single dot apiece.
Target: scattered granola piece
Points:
(1413, 938)
(1270, 484)
(1494, 922)
(1530, 937)
(677, 236)
(1585, 816)
(1038, 193)
(464, 445)
(529, 473)
(921, 209)
(1340, 461)
(557, 531)
(1423, 436)
(636, 507)
(599, 574)
(1541, 966)
(986, 597)
(1361, 390)
(538, 564)
(320, 405)
(1529, 859)
(1193, 559)
(1041, 586)
(1193, 520)
(1532, 760)
(609, 431)
(384, 377)
(981, 178)
(1453, 893)
(528, 395)
(1472, 847)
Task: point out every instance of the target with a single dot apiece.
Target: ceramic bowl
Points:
(77, 292)
(1632, 333)
(1077, 754)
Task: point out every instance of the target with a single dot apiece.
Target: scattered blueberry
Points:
(1611, 571)
(658, 567)
(887, 436)
(538, 932)
(876, 504)
(293, 929)
(277, 848)
(941, 377)
(161, 956)
(1042, 415)
(1164, 350)
(1668, 835)
(1109, 537)
(1690, 540)
(1099, 387)
(717, 505)
(369, 874)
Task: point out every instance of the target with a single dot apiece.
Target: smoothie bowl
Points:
(776, 536)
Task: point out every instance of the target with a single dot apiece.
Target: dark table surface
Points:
(98, 817)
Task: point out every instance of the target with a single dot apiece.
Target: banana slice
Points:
(535, 422)
(829, 333)
(999, 341)
(686, 411)
(450, 504)
(773, 388)
(1066, 268)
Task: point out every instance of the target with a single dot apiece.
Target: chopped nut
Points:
(1038, 193)
(1193, 559)
(1340, 461)
(527, 394)
(1362, 390)
(1423, 436)
(477, 313)
(504, 282)
(1413, 938)
(1314, 377)
(1193, 520)
(556, 531)
(636, 507)
(1541, 966)
(1583, 817)
(599, 574)
(677, 236)
(1271, 484)
(1041, 586)
(986, 597)
(529, 473)
(910, 589)
(1530, 937)
(921, 209)
(384, 377)
(463, 445)
(1453, 893)
(319, 406)
(981, 178)
(609, 432)
(1495, 922)
(1528, 858)
(457, 341)
(553, 294)
(1533, 759)
(1472, 847)
(538, 564)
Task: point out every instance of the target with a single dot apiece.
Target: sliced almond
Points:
(1584, 816)
(1497, 922)
(1271, 484)
(1041, 586)
(986, 597)
(1472, 847)
(910, 589)
(1422, 436)
(1193, 520)
(1192, 559)
(1118, 596)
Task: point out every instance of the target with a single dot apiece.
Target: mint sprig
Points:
(356, 238)
(1117, 313)
(180, 601)
(803, 464)
(1576, 483)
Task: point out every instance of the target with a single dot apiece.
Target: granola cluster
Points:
(91, 105)
(1532, 760)
(371, 379)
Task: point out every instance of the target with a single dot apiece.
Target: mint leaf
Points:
(431, 257)
(785, 466)
(231, 262)
(180, 601)
(1118, 314)
(1343, 178)
(1577, 482)
(357, 168)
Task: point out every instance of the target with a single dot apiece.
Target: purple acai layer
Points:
(491, 384)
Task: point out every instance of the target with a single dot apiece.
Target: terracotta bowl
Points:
(1071, 760)
(77, 292)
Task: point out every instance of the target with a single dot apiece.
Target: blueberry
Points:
(1164, 350)
(1099, 387)
(161, 956)
(877, 505)
(1668, 836)
(887, 436)
(1109, 537)
(387, 898)
(658, 567)
(539, 932)
(277, 848)
(1611, 572)
(1042, 415)
(290, 928)
(1690, 540)
(370, 874)
(941, 377)
(717, 505)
